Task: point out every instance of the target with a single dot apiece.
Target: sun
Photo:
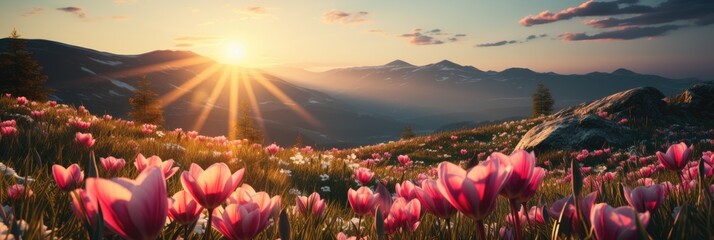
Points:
(235, 52)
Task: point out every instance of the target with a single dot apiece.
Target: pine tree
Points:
(245, 127)
(408, 132)
(542, 101)
(20, 74)
(145, 104)
(298, 140)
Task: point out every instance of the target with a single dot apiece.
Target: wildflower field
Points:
(69, 174)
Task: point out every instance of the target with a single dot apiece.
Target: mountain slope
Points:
(187, 82)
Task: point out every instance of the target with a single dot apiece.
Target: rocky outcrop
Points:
(645, 108)
(576, 132)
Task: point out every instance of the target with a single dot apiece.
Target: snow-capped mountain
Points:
(446, 92)
(103, 82)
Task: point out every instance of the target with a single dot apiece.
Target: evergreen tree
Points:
(298, 140)
(20, 74)
(245, 127)
(145, 104)
(408, 132)
(542, 101)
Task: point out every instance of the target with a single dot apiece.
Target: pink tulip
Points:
(311, 205)
(676, 158)
(567, 204)
(433, 201)
(183, 209)
(272, 149)
(132, 209)
(211, 187)
(112, 164)
(249, 216)
(617, 223)
(474, 191)
(403, 214)
(167, 168)
(362, 201)
(68, 179)
(87, 209)
(17, 191)
(364, 175)
(525, 177)
(8, 131)
(37, 114)
(404, 160)
(246, 193)
(645, 198)
(406, 190)
(22, 100)
(84, 139)
(464, 152)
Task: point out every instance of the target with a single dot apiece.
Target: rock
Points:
(697, 100)
(637, 103)
(576, 132)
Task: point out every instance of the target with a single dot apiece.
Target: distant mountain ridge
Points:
(459, 93)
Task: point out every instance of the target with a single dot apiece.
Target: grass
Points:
(42, 142)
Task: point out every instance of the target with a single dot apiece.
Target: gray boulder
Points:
(576, 132)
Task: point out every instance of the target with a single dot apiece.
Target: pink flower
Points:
(8, 131)
(107, 117)
(364, 175)
(454, 137)
(406, 190)
(474, 191)
(142, 163)
(311, 205)
(183, 209)
(525, 177)
(272, 149)
(404, 160)
(112, 164)
(22, 100)
(68, 179)
(211, 187)
(85, 139)
(343, 236)
(645, 198)
(567, 205)
(676, 158)
(132, 209)
(246, 193)
(17, 191)
(87, 209)
(246, 218)
(8, 123)
(362, 201)
(464, 152)
(37, 114)
(618, 223)
(433, 201)
(403, 214)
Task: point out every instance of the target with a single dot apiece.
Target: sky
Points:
(672, 38)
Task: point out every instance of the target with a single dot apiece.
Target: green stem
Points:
(359, 224)
(208, 227)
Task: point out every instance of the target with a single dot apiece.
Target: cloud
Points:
(586, 9)
(509, 42)
(697, 12)
(376, 31)
(627, 33)
(335, 16)
(77, 11)
(630, 20)
(190, 41)
(496, 44)
(435, 36)
(33, 11)
(255, 12)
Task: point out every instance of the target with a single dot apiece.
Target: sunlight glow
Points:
(235, 53)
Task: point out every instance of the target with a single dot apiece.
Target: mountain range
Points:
(339, 107)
